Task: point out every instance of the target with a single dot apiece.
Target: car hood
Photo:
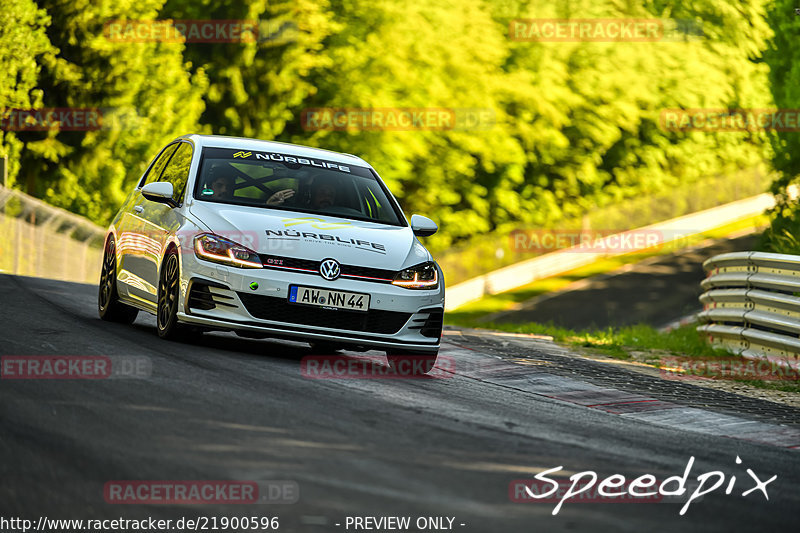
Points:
(314, 237)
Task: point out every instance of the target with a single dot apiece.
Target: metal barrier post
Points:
(751, 305)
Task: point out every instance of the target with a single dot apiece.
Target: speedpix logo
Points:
(645, 486)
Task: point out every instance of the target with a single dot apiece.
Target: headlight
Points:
(220, 250)
(424, 276)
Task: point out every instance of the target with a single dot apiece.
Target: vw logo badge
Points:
(329, 269)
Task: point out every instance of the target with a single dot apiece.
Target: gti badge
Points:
(329, 269)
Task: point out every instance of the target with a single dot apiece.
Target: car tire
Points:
(412, 363)
(109, 307)
(168, 296)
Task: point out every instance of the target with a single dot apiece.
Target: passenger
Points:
(280, 197)
(322, 195)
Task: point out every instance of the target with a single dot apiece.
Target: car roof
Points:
(258, 145)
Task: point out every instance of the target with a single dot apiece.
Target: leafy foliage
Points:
(576, 124)
(23, 43)
(784, 62)
(143, 89)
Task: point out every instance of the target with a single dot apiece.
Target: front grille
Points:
(352, 270)
(432, 325)
(277, 262)
(279, 310)
(201, 297)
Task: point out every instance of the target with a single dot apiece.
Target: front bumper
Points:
(220, 297)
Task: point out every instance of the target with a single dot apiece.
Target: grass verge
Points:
(645, 344)
(621, 343)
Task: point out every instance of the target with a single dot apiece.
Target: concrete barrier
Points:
(40, 240)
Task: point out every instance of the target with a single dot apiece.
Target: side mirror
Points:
(159, 191)
(423, 226)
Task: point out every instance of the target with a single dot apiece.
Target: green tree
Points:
(783, 58)
(255, 85)
(144, 90)
(576, 124)
(587, 113)
(405, 54)
(23, 43)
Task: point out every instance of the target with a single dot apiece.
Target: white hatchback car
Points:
(273, 240)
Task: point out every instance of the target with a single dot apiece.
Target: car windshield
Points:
(279, 181)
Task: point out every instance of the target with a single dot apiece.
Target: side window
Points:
(158, 166)
(177, 171)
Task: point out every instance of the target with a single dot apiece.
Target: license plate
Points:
(328, 299)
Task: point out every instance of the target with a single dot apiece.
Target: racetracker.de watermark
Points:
(590, 240)
(346, 367)
(204, 492)
(151, 243)
(604, 30)
(339, 366)
(538, 491)
(200, 31)
(684, 368)
(61, 367)
(72, 119)
(49, 118)
(396, 119)
(578, 30)
(182, 31)
(730, 120)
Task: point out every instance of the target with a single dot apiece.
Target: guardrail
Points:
(37, 239)
(751, 305)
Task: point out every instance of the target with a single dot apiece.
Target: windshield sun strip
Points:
(368, 173)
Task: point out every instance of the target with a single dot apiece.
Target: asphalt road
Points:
(226, 408)
(655, 291)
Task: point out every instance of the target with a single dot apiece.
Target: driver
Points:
(222, 186)
(323, 195)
